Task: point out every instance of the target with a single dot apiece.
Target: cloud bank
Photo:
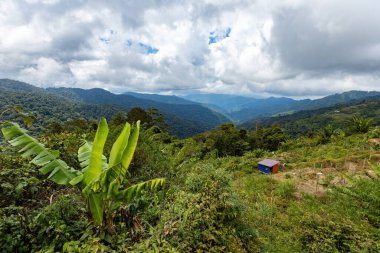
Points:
(285, 47)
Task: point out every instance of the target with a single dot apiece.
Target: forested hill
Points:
(46, 107)
(242, 109)
(183, 119)
(305, 121)
(63, 103)
(162, 98)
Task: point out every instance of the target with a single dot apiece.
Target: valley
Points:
(201, 192)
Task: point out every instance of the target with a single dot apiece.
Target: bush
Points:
(198, 217)
(360, 124)
(62, 221)
(13, 233)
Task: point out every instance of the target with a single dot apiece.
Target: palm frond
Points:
(59, 172)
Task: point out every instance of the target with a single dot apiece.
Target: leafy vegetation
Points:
(325, 197)
(60, 105)
(311, 121)
(244, 109)
(99, 181)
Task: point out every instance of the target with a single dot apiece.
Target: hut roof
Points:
(268, 162)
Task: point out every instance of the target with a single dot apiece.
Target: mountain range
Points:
(183, 119)
(186, 116)
(310, 121)
(241, 109)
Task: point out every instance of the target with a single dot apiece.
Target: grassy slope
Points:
(298, 210)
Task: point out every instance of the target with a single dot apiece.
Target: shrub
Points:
(198, 217)
(62, 221)
(13, 232)
(361, 124)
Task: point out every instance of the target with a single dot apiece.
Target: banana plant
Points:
(103, 184)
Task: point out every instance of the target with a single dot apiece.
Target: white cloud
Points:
(292, 47)
(43, 70)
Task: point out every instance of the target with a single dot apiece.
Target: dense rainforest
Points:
(61, 104)
(77, 177)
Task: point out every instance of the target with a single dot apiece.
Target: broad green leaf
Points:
(130, 149)
(59, 172)
(76, 180)
(92, 172)
(113, 189)
(95, 202)
(120, 167)
(119, 146)
(84, 154)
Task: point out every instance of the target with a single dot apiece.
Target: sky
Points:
(293, 48)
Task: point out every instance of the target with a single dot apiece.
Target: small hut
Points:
(268, 166)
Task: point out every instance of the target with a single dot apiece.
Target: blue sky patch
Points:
(220, 35)
(148, 49)
(142, 47)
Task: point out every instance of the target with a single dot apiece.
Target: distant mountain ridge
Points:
(339, 116)
(191, 118)
(183, 119)
(161, 98)
(13, 85)
(242, 109)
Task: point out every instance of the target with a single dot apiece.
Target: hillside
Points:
(213, 199)
(242, 109)
(198, 194)
(161, 98)
(46, 107)
(305, 121)
(183, 119)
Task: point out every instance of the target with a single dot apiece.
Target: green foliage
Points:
(17, 110)
(137, 113)
(361, 124)
(259, 152)
(19, 182)
(210, 203)
(197, 217)
(62, 221)
(99, 183)
(326, 134)
(13, 236)
(57, 170)
(304, 122)
(286, 189)
(375, 167)
(227, 140)
(267, 138)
